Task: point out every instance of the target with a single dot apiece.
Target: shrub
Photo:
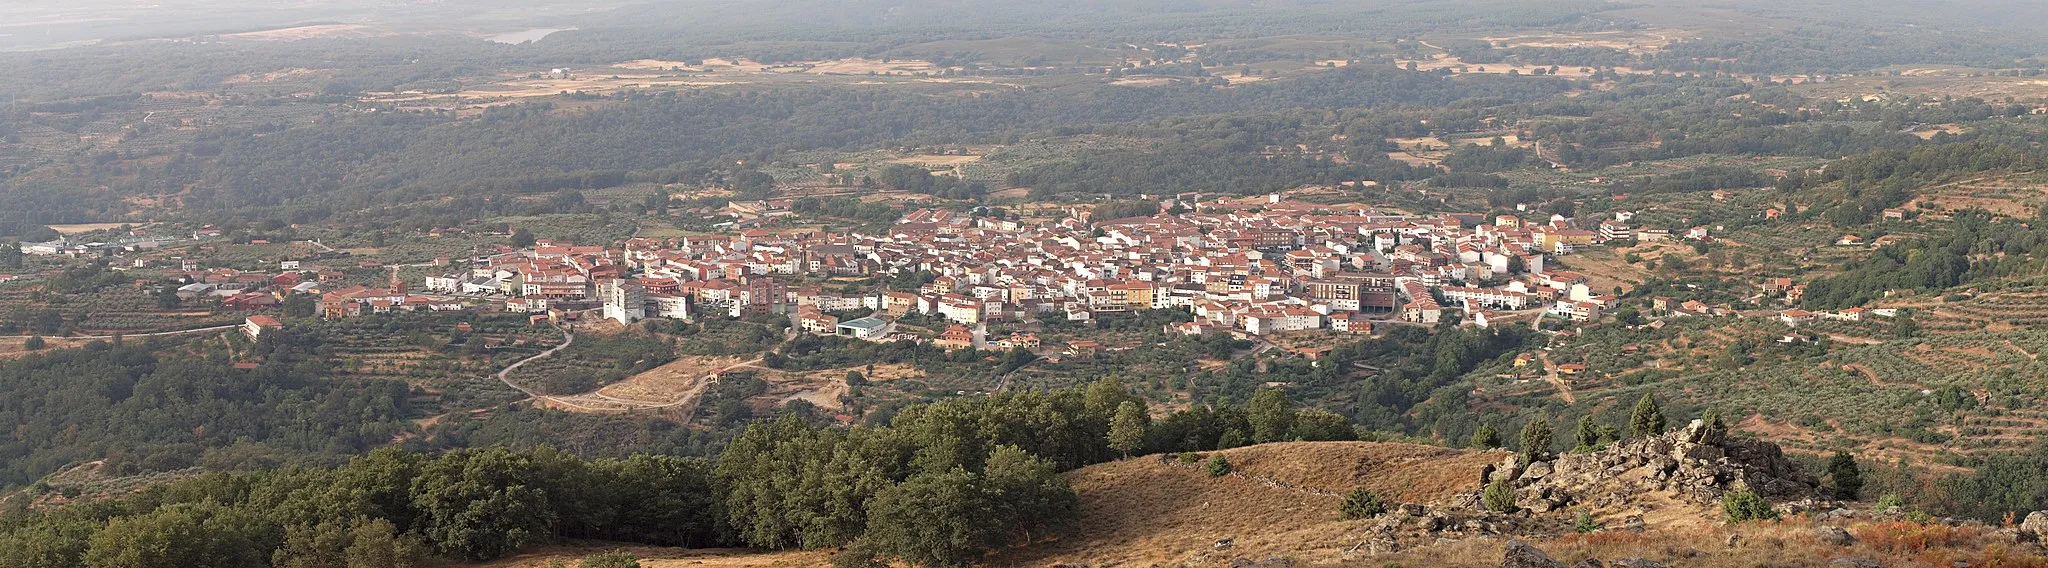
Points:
(34, 343)
(1907, 537)
(1585, 523)
(1746, 505)
(1500, 497)
(1190, 457)
(1362, 504)
(1486, 438)
(610, 560)
(1218, 467)
(1889, 500)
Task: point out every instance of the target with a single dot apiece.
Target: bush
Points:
(1746, 505)
(1585, 523)
(610, 560)
(1889, 500)
(1190, 457)
(1218, 467)
(1362, 504)
(1500, 497)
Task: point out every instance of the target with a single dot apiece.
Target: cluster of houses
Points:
(1256, 266)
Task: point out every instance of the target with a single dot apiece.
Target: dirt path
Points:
(1564, 389)
(126, 335)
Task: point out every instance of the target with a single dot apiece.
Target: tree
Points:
(522, 238)
(1271, 416)
(1231, 438)
(1647, 420)
(753, 184)
(1127, 430)
(1486, 438)
(479, 505)
(1845, 475)
(186, 534)
(1587, 438)
(1318, 425)
(1536, 439)
(1361, 504)
(1027, 493)
(932, 519)
(34, 343)
(363, 543)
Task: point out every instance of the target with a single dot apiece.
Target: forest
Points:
(939, 486)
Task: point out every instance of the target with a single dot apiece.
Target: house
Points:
(257, 325)
(1354, 324)
(955, 337)
(1894, 214)
(1849, 241)
(1571, 369)
(812, 320)
(1795, 316)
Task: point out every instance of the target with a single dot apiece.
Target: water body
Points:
(525, 36)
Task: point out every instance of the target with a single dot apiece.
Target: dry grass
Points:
(1281, 502)
(677, 380)
(651, 557)
(1792, 543)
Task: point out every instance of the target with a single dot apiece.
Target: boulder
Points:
(1854, 562)
(1637, 563)
(1834, 536)
(1521, 555)
(2035, 527)
(1536, 471)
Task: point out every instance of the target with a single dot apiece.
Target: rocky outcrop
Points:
(1520, 555)
(2035, 527)
(1697, 463)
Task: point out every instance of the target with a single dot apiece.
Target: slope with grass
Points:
(1280, 500)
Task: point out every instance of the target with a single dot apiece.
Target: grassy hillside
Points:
(1281, 500)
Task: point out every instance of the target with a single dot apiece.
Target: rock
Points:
(1589, 563)
(1854, 562)
(1733, 540)
(1521, 555)
(1273, 562)
(1537, 471)
(1224, 543)
(1637, 563)
(2034, 527)
(1634, 523)
(1834, 536)
(1414, 509)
